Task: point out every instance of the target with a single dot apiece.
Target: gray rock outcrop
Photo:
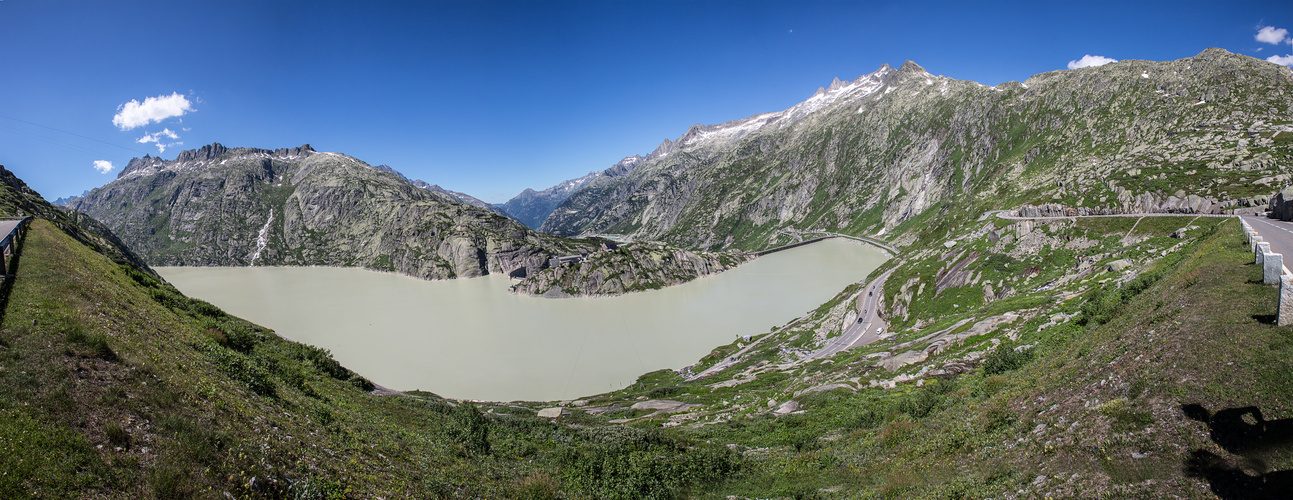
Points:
(634, 267)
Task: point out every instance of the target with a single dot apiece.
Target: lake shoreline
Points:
(470, 339)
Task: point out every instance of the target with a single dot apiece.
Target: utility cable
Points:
(73, 133)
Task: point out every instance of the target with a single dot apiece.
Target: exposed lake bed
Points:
(471, 339)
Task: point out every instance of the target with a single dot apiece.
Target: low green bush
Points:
(1005, 358)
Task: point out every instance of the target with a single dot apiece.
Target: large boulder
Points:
(1280, 206)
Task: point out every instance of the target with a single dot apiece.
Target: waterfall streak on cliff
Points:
(262, 238)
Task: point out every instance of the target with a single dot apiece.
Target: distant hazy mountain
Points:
(532, 207)
(461, 197)
(63, 201)
(219, 206)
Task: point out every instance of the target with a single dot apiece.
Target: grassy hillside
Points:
(1099, 389)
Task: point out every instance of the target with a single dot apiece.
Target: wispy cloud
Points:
(135, 114)
(1271, 35)
(157, 138)
(103, 166)
(1089, 60)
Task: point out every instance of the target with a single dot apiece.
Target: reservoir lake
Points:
(471, 339)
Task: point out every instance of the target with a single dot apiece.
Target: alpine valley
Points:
(1013, 346)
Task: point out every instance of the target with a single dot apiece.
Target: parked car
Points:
(878, 330)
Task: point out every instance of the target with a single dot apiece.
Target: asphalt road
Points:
(1278, 233)
(858, 334)
(864, 332)
(6, 226)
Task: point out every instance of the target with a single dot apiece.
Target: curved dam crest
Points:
(471, 339)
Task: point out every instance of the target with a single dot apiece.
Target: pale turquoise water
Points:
(471, 339)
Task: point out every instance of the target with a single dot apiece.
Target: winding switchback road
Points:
(863, 332)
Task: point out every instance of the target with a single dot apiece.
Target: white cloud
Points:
(166, 132)
(1286, 60)
(1271, 35)
(154, 109)
(156, 138)
(103, 166)
(1089, 60)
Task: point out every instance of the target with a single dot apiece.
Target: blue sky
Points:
(489, 98)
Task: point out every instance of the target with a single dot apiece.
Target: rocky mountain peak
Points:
(911, 68)
(205, 153)
(1214, 52)
(138, 164)
(624, 166)
(665, 147)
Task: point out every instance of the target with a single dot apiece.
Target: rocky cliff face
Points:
(219, 206)
(633, 267)
(872, 155)
(533, 207)
(1281, 205)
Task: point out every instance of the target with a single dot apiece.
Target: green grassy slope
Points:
(1109, 399)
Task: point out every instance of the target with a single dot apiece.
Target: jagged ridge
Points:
(209, 206)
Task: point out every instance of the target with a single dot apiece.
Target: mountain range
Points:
(295, 206)
(868, 155)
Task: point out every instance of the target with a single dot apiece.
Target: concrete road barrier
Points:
(1272, 268)
(1285, 315)
(1263, 248)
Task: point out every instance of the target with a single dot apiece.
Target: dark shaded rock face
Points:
(1281, 206)
(218, 206)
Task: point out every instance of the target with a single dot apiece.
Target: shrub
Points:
(239, 366)
(626, 462)
(920, 403)
(470, 428)
(1103, 303)
(1005, 358)
(660, 392)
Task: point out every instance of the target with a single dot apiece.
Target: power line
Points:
(74, 134)
(51, 140)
